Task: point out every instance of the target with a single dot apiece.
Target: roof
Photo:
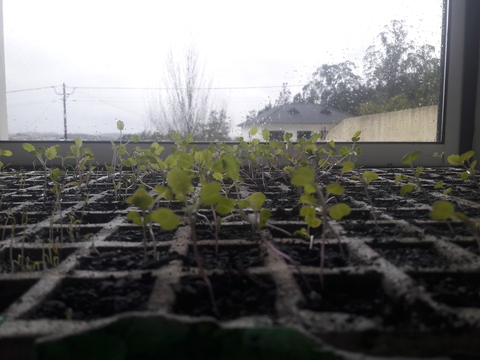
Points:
(298, 113)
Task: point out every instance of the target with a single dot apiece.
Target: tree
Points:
(284, 97)
(397, 66)
(217, 127)
(187, 104)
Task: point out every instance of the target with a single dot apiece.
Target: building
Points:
(302, 120)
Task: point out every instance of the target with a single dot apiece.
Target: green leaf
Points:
(28, 147)
(256, 201)
(264, 216)
(185, 160)
(266, 134)
(464, 175)
(78, 142)
(335, 189)
(135, 217)
(409, 158)
(356, 136)
(438, 185)
(307, 210)
(164, 192)
(466, 156)
(313, 221)
(302, 234)
(418, 171)
(51, 152)
(400, 178)
(253, 131)
(179, 181)
(307, 199)
(120, 125)
(135, 139)
(455, 160)
(225, 205)
(140, 199)
(210, 193)
(347, 166)
(167, 219)
(231, 166)
(289, 169)
(175, 137)
(338, 211)
(442, 210)
(406, 189)
(303, 177)
(369, 176)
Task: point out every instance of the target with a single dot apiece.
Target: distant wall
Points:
(418, 124)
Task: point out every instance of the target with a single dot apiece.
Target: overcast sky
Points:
(245, 44)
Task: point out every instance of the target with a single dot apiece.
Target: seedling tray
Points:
(406, 286)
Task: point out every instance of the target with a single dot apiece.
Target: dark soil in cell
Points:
(303, 255)
(363, 295)
(126, 259)
(90, 218)
(456, 290)
(93, 299)
(65, 234)
(286, 214)
(173, 205)
(292, 228)
(409, 214)
(471, 246)
(12, 289)
(33, 259)
(360, 228)
(442, 229)
(227, 232)
(228, 257)
(236, 295)
(135, 234)
(106, 206)
(415, 255)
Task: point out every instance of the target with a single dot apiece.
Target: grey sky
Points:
(115, 43)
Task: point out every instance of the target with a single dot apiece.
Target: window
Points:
(304, 135)
(277, 135)
(458, 105)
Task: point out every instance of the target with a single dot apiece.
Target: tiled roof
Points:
(298, 113)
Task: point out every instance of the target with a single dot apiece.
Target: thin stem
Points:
(202, 272)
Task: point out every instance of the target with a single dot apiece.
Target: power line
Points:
(156, 88)
(31, 89)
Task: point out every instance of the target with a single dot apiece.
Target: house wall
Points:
(418, 124)
(290, 128)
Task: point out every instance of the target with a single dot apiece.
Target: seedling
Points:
(315, 199)
(167, 219)
(412, 182)
(445, 210)
(43, 155)
(469, 166)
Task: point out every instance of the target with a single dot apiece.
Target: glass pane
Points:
(214, 69)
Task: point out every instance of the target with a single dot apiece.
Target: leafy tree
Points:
(285, 95)
(217, 127)
(398, 102)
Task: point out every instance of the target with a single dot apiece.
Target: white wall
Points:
(419, 124)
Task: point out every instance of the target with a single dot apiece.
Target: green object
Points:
(158, 338)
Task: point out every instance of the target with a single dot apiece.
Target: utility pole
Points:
(64, 95)
(64, 112)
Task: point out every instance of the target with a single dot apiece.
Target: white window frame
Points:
(457, 130)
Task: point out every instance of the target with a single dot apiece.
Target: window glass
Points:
(214, 68)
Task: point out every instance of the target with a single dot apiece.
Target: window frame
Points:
(458, 106)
